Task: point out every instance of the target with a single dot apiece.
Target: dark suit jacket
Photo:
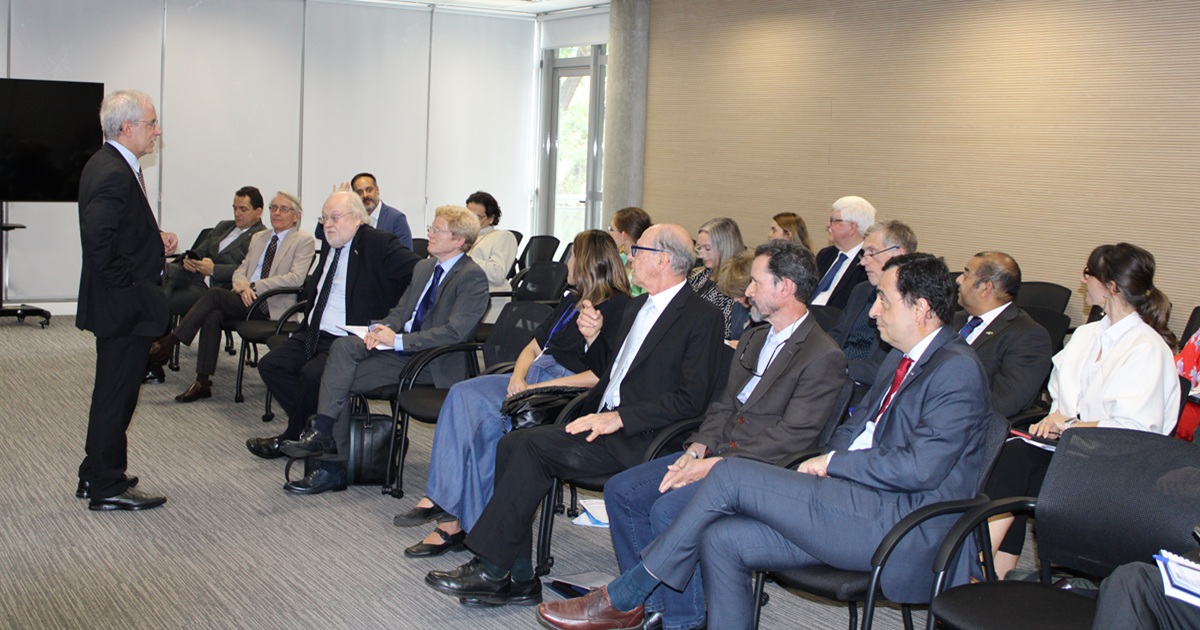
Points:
(393, 221)
(119, 292)
(673, 375)
(458, 307)
(1015, 352)
(927, 448)
(378, 272)
(225, 261)
(861, 370)
(853, 276)
(790, 404)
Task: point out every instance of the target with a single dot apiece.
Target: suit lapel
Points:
(1001, 322)
(782, 361)
(913, 372)
(664, 323)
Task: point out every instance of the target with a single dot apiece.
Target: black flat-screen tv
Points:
(48, 130)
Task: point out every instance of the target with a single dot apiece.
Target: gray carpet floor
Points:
(230, 549)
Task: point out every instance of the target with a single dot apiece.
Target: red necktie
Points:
(901, 372)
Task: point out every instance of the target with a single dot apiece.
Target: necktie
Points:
(268, 258)
(901, 372)
(970, 326)
(827, 281)
(313, 332)
(427, 299)
(629, 349)
(142, 181)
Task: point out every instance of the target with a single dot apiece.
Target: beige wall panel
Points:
(1042, 129)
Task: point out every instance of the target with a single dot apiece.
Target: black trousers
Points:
(294, 381)
(120, 367)
(526, 463)
(1019, 472)
(216, 307)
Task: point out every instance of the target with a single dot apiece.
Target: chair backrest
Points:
(1193, 324)
(200, 238)
(421, 247)
(540, 248)
(993, 442)
(544, 281)
(826, 316)
(838, 415)
(1185, 388)
(1114, 496)
(1044, 295)
(1056, 323)
(566, 255)
(514, 328)
(1095, 314)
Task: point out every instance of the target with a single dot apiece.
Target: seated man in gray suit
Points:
(783, 387)
(443, 305)
(918, 441)
(855, 331)
(1014, 349)
(278, 258)
(215, 258)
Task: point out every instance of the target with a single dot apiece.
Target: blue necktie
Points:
(427, 299)
(827, 281)
(970, 326)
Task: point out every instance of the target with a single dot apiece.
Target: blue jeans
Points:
(462, 467)
(637, 514)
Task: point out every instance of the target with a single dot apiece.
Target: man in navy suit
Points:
(382, 216)
(120, 298)
(361, 273)
(838, 264)
(918, 441)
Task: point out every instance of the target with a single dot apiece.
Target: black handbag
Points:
(537, 406)
(370, 441)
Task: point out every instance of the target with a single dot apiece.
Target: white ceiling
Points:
(514, 6)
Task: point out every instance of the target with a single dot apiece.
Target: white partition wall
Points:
(481, 118)
(230, 112)
(73, 40)
(366, 86)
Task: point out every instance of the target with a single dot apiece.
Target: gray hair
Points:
(791, 260)
(355, 205)
(858, 210)
(726, 238)
(895, 234)
(119, 108)
(680, 250)
(293, 199)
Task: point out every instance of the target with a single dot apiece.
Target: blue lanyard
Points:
(562, 321)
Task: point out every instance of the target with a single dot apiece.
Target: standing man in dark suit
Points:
(120, 299)
(855, 331)
(664, 370)
(783, 387)
(443, 306)
(1014, 349)
(382, 217)
(360, 275)
(219, 255)
(847, 225)
(919, 441)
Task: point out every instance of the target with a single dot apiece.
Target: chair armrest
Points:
(273, 292)
(573, 410)
(422, 359)
(668, 434)
(795, 459)
(292, 310)
(506, 367)
(1027, 417)
(497, 294)
(957, 534)
(917, 517)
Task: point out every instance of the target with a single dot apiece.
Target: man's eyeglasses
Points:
(275, 208)
(753, 369)
(832, 220)
(634, 249)
(148, 123)
(874, 254)
(333, 218)
(432, 230)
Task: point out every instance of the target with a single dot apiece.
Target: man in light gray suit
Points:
(443, 305)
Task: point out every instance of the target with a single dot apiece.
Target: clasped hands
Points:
(203, 266)
(687, 469)
(379, 335)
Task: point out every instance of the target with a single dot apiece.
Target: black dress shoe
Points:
(519, 594)
(132, 499)
(450, 542)
(155, 375)
(418, 516)
(309, 443)
(198, 390)
(470, 581)
(84, 489)
(265, 447)
(161, 349)
(318, 481)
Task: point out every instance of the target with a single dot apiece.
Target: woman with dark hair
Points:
(470, 425)
(626, 228)
(717, 241)
(789, 226)
(1117, 372)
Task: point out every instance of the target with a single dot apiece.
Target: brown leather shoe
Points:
(198, 390)
(161, 349)
(591, 612)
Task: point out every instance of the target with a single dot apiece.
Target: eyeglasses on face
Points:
(873, 254)
(634, 249)
(433, 230)
(275, 208)
(330, 219)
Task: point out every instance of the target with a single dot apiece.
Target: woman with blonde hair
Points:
(462, 466)
(790, 226)
(717, 240)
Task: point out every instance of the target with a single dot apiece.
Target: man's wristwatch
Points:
(252, 287)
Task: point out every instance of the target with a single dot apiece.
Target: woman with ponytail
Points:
(1118, 372)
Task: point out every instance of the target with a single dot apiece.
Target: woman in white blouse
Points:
(494, 250)
(1118, 372)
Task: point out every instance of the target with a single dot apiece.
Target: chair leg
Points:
(229, 343)
(906, 610)
(237, 388)
(253, 362)
(546, 529)
(760, 579)
(268, 415)
(854, 617)
(173, 363)
(574, 510)
(393, 482)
